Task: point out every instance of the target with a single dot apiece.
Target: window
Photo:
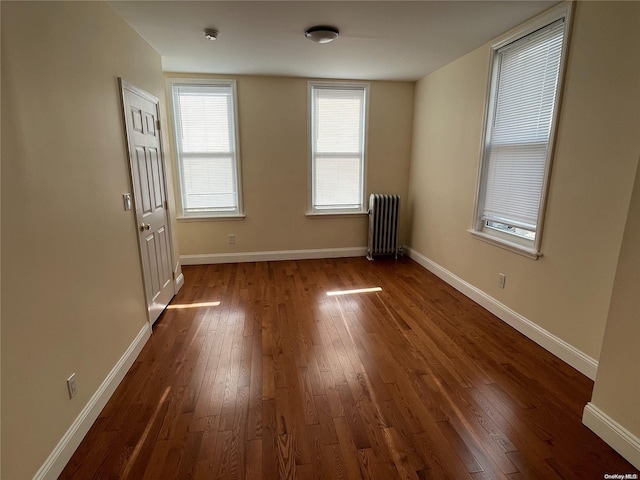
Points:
(520, 125)
(206, 143)
(338, 132)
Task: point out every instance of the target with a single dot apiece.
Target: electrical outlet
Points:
(72, 385)
(501, 279)
(231, 238)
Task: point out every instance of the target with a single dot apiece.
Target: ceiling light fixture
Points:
(211, 34)
(322, 34)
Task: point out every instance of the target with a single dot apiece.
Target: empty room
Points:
(320, 240)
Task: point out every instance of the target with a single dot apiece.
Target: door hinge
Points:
(166, 205)
(158, 124)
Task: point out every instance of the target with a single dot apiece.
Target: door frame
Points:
(124, 85)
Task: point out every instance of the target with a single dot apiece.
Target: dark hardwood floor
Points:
(254, 372)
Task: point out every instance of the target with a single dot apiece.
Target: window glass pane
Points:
(205, 137)
(523, 112)
(205, 123)
(513, 230)
(209, 183)
(338, 182)
(514, 182)
(338, 123)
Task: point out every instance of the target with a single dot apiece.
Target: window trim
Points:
(477, 230)
(326, 213)
(182, 215)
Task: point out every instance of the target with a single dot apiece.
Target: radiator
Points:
(384, 218)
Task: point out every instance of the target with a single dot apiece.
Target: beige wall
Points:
(566, 291)
(72, 296)
(617, 387)
(272, 114)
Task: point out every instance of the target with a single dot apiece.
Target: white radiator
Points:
(384, 219)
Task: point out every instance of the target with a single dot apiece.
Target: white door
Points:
(147, 171)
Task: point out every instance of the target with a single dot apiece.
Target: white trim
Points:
(506, 244)
(564, 11)
(61, 454)
(178, 278)
(619, 438)
(335, 84)
(561, 349)
(561, 10)
(209, 218)
(337, 214)
(171, 110)
(212, 258)
(126, 89)
(178, 283)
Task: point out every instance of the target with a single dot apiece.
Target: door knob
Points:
(144, 226)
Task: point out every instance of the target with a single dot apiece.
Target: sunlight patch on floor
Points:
(193, 305)
(334, 293)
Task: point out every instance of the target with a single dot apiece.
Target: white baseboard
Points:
(178, 283)
(561, 349)
(272, 256)
(61, 455)
(178, 278)
(619, 438)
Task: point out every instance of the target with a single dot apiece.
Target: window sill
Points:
(336, 214)
(512, 247)
(210, 218)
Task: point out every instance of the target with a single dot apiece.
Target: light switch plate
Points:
(72, 385)
(127, 201)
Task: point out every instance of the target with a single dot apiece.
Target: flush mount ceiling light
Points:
(211, 34)
(322, 34)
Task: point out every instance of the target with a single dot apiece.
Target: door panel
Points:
(136, 118)
(155, 175)
(147, 173)
(152, 254)
(143, 179)
(164, 260)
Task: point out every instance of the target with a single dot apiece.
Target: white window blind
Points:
(519, 136)
(338, 139)
(206, 143)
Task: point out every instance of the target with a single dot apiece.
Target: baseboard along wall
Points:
(62, 453)
(178, 283)
(574, 357)
(623, 441)
(577, 359)
(619, 438)
(271, 256)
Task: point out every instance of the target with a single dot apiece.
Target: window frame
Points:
(312, 211)
(238, 213)
(479, 229)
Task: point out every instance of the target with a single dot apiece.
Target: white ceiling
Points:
(379, 40)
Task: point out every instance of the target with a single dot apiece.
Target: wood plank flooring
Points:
(254, 372)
